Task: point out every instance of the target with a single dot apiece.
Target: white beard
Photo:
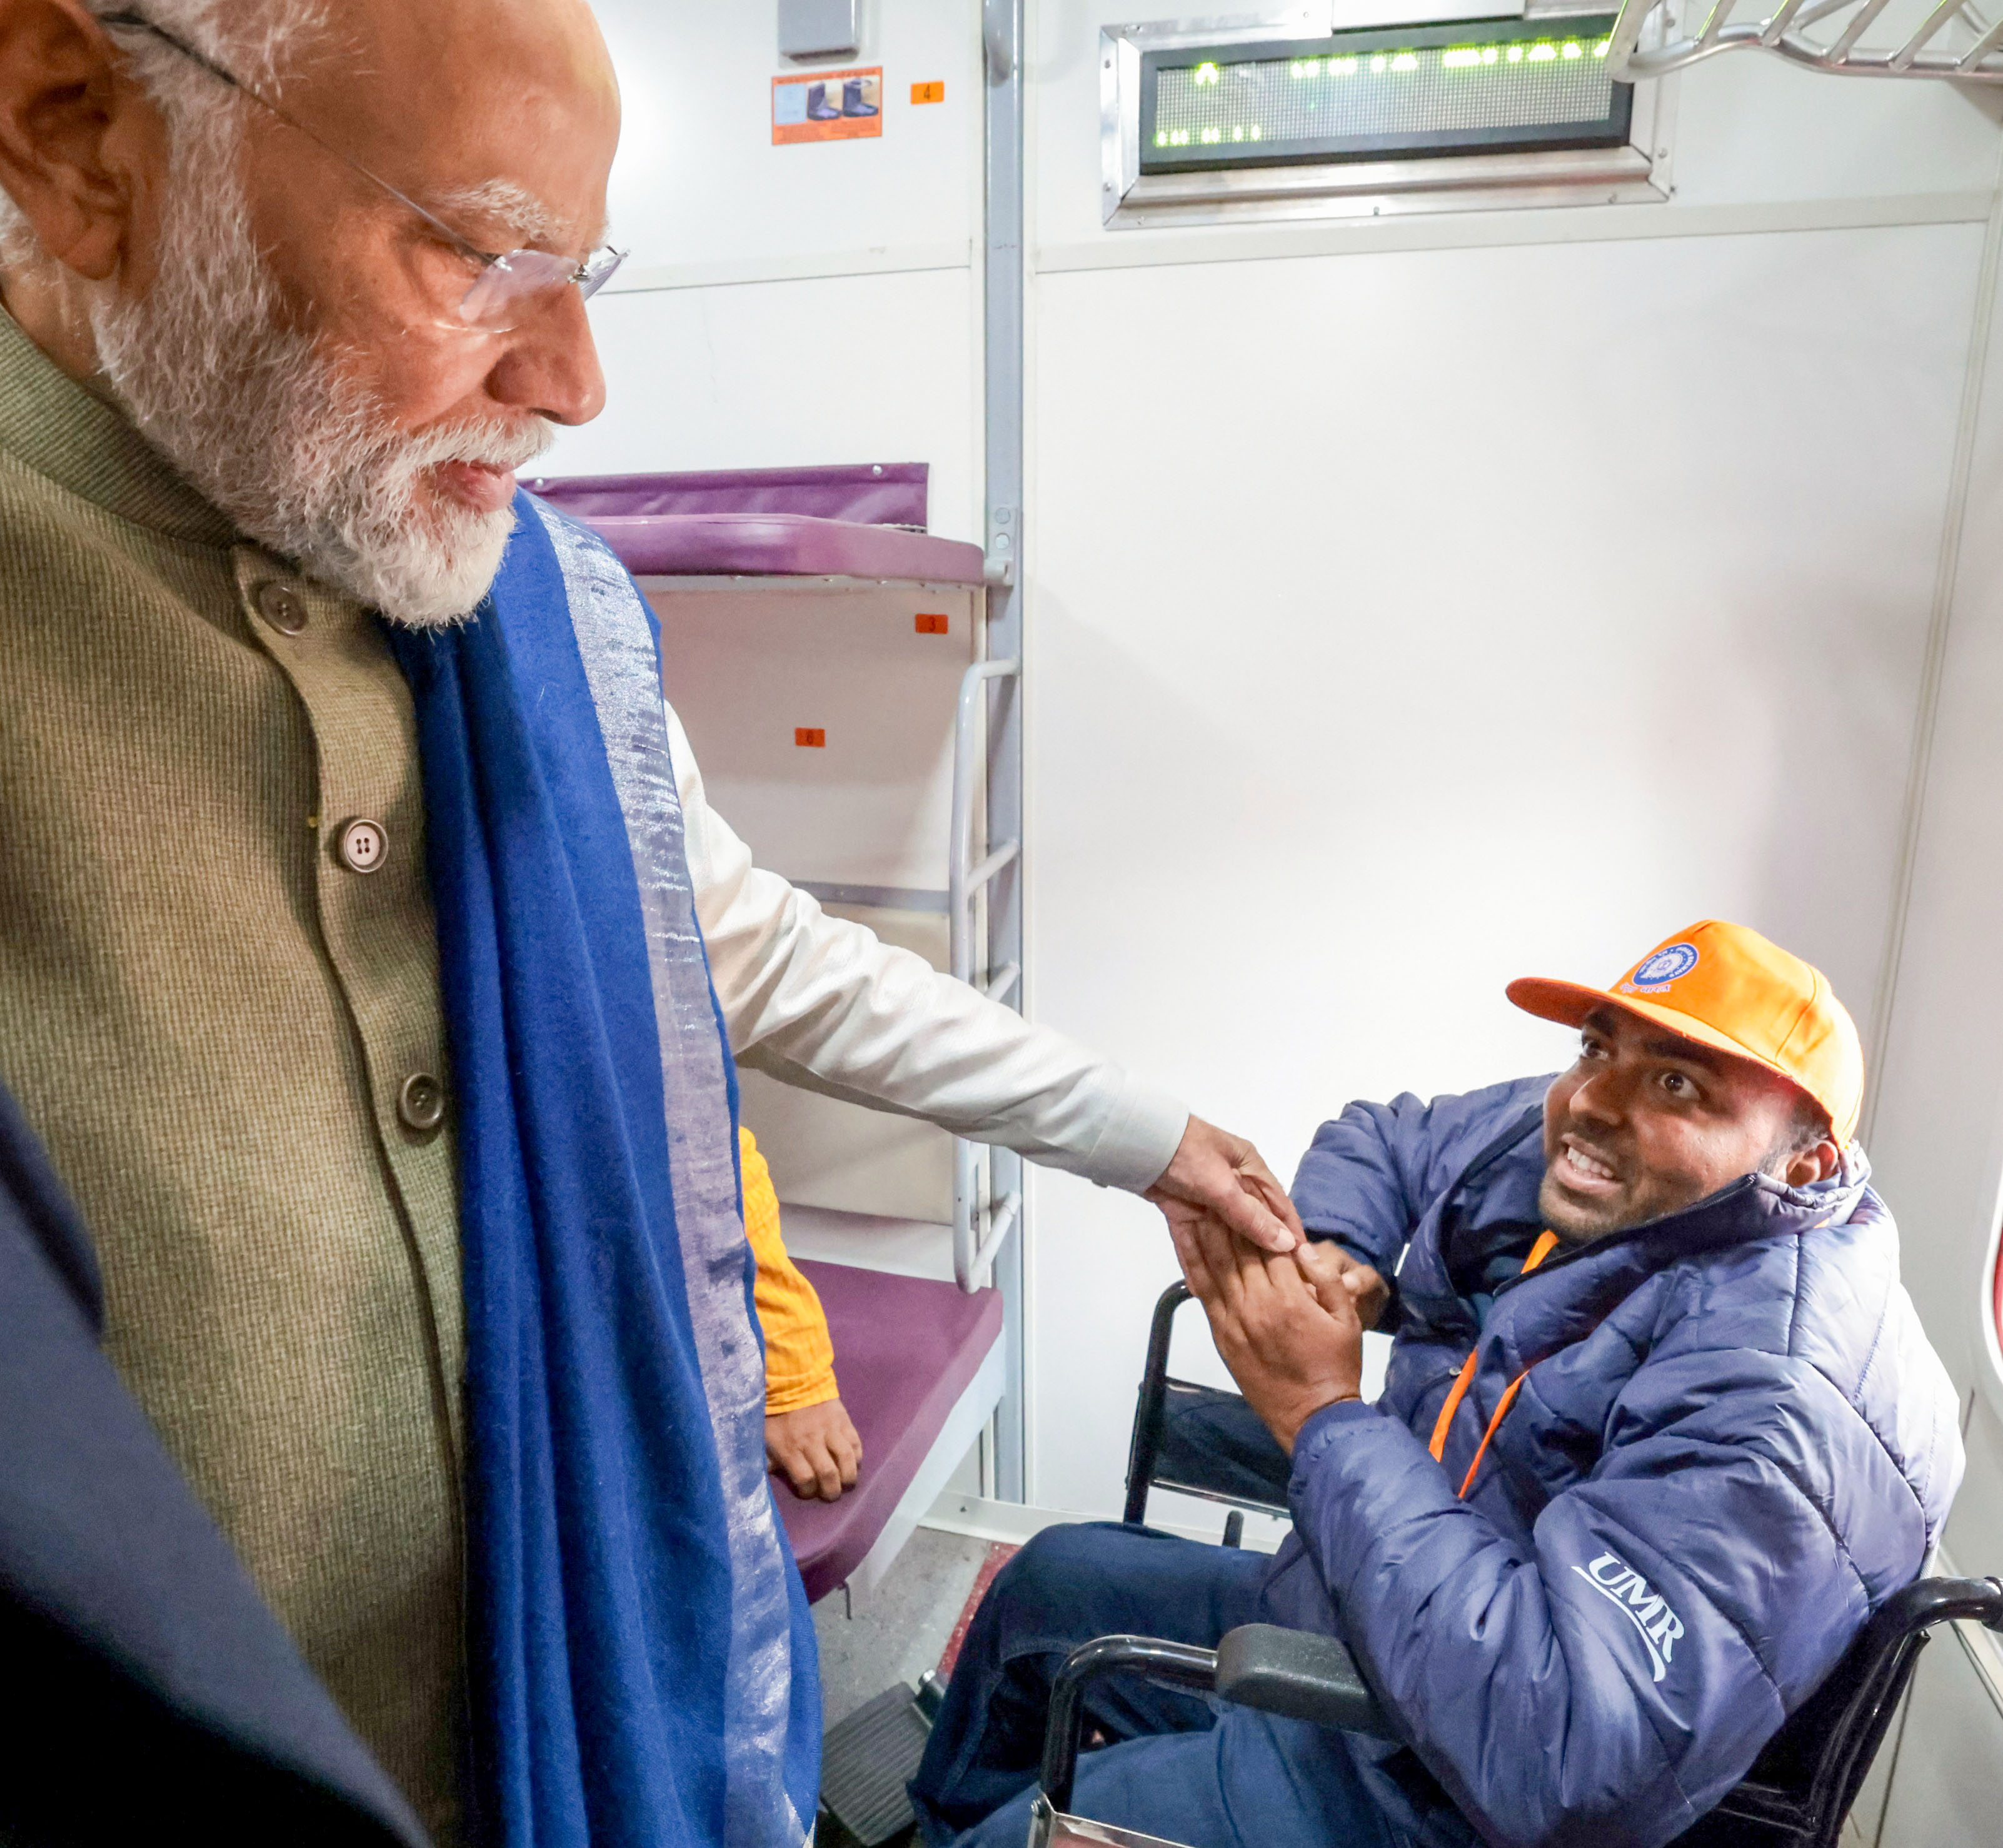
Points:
(272, 432)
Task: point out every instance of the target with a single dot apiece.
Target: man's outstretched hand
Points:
(1220, 1176)
(1327, 1267)
(1293, 1345)
(816, 1449)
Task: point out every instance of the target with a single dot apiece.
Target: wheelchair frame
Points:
(1798, 1793)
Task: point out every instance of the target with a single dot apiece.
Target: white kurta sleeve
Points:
(818, 1001)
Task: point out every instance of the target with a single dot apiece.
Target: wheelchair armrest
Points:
(1179, 1664)
(1300, 1674)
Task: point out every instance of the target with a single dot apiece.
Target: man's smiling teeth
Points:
(1586, 1167)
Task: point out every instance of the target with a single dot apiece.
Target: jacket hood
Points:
(1754, 1206)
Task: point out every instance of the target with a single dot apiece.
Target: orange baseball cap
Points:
(1729, 988)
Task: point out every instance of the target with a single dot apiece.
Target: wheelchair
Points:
(1189, 1438)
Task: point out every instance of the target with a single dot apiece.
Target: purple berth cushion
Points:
(871, 494)
(681, 545)
(905, 1349)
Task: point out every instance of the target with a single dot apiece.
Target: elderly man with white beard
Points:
(370, 963)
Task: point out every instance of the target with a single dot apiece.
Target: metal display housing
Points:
(1637, 171)
(1435, 143)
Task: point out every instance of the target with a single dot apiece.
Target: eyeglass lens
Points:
(510, 284)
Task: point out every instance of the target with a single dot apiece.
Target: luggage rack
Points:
(1849, 38)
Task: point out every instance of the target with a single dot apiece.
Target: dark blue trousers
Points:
(1181, 1767)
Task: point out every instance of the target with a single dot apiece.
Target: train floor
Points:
(911, 1622)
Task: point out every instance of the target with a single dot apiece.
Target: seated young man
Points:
(809, 1438)
(1660, 1431)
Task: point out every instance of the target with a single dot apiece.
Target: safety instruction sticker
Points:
(832, 106)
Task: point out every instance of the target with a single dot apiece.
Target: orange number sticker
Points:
(932, 625)
(810, 734)
(928, 92)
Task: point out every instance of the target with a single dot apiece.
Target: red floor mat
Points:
(999, 1554)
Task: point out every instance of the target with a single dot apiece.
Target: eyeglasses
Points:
(510, 282)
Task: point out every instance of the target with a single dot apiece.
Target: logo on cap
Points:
(1659, 970)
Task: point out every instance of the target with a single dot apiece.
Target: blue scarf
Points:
(642, 1659)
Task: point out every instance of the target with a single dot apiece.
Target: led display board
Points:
(1480, 85)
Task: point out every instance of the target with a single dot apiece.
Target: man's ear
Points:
(1817, 1162)
(74, 135)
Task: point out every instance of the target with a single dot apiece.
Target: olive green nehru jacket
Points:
(219, 1008)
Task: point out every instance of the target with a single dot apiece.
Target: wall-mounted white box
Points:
(817, 28)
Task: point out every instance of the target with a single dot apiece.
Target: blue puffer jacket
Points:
(1733, 1442)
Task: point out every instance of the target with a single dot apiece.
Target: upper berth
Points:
(864, 520)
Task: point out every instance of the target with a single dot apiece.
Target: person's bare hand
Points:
(816, 1449)
(1219, 1174)
(1291, 1352)
(1327, 1267)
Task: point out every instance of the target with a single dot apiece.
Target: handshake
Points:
(1288, 1314)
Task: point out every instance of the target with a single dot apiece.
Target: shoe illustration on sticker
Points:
(830, 106)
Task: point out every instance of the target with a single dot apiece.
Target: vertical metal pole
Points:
(1001, 29)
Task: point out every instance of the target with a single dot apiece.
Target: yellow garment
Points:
(799, 1356)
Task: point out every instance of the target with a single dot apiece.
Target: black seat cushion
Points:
(1212, 1441)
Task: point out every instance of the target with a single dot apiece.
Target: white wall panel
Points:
(1975, 1531)
(698, 180)
(740, 334)
(1401, 624)
(1937, 1133)
(1750, 127)
(841, 369)
(870, 804)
